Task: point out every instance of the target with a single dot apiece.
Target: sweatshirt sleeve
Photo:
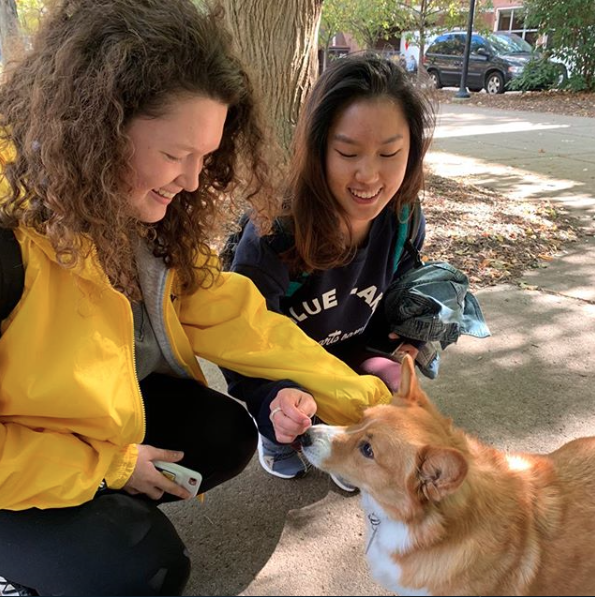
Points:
(229, 324)
(255, 258)
(257, 394)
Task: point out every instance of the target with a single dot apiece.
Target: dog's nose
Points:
(305, 439)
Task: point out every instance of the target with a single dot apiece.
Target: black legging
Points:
(118, 544)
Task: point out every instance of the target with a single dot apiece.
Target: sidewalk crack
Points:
(566, 296)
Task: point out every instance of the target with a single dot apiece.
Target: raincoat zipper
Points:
(136, 382)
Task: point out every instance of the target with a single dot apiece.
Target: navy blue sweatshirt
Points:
(341, 308)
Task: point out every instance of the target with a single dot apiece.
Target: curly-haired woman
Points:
(120, 132)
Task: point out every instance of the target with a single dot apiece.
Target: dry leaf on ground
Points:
(491, 237)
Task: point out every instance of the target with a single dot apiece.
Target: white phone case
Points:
(181, 475)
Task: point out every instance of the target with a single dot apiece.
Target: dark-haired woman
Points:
(352, 225)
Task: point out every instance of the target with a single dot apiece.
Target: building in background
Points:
(509, 18)
(503, 15)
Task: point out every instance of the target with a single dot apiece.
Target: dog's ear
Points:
(409, 389)
(440, 472)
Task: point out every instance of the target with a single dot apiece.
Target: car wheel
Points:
(495, 83)
(435, 77)
(475, 89)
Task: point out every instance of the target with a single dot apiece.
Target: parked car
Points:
(495, 59)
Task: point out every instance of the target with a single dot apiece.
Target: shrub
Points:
(539, 73)
(570, 29)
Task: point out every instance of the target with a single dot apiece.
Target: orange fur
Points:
(477, 521)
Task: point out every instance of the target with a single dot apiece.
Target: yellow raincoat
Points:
(71, 411)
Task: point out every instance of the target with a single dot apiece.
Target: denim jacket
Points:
(433, 303)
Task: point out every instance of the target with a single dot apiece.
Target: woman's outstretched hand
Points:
(291, 414)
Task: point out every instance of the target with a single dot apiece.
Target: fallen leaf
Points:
(525, 286)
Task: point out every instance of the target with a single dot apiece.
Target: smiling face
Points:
(366, 159)
(169, 152)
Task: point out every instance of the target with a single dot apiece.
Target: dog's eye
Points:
(366, 449)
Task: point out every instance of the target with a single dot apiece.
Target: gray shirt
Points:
(148, 356)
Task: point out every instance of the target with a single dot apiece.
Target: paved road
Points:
(529, 386)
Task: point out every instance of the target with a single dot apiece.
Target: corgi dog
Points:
(448, 515)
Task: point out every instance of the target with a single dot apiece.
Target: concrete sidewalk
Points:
(529, 387)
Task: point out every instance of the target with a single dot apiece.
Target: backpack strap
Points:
(409, 224)
(12, 273)
(295, 285)
(402, 236)
(415, 224)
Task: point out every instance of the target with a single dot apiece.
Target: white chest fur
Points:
(385, 538)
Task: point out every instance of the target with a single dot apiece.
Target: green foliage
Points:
(577, 83)
(366, 20)
(334, 20)
(425, 15)
(570, 29)
(539, 73)
(30, 12)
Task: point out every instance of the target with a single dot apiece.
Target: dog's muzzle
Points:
(316, 443)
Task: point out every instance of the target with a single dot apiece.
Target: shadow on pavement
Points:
(530, 386)
(234, 532)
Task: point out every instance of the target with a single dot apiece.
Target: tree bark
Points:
(278, 43)
(421, 69)
(11, 41)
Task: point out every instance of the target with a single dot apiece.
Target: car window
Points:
(448, 44)
(454, 45)
(508, 43)
(438, 45)
(477, 42)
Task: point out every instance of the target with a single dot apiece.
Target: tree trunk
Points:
(277, 40)
(11, 41)
(421, 69)
(325, 56)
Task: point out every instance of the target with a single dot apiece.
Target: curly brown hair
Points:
(64, 112)
(312, 213)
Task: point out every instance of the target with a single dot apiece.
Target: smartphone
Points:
(183, 476)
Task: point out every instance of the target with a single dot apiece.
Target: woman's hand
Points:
(148, 480)
(291, 413)
(403, 349)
